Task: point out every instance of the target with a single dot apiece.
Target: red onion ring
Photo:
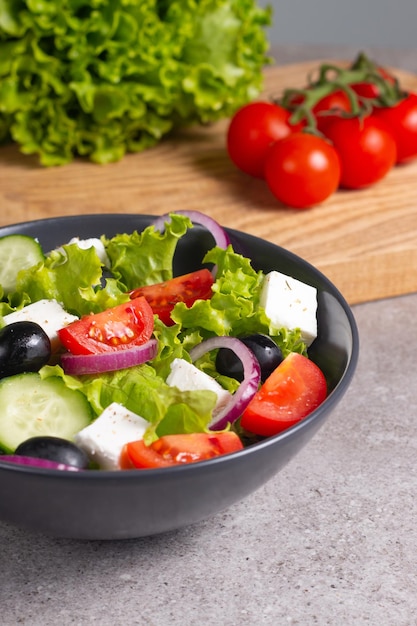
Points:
(220, 236)
(79, 364)
(247, 388)
(16, 459)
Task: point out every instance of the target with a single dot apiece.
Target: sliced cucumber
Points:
(17, 252)
(31, 406)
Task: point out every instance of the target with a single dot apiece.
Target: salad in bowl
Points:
(138, 354)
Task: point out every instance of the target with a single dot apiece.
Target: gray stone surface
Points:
(331, 540)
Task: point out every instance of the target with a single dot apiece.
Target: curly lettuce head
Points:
(99, 78)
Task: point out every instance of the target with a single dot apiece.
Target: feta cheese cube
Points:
(49, 314)
(290, 303)
(103, 440)
(187, 377)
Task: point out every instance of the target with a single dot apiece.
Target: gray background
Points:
(362, 23)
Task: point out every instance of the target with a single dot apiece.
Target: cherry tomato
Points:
(402, 122)
(366, 90)
(337, 101)
(302, 170)
(188, 288)
(123, 326)
(293, 390)
(371, 90)
(252, 130)
(172, 450)
(366, 149)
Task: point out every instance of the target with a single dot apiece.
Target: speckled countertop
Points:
(331, 540)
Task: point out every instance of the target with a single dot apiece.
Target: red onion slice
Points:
(79, 364)
(220, 236)
(247, 388)
(17, 459)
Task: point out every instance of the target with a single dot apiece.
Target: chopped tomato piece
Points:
(293, 390)
(123, 326)
(187, 288)
(179, 449)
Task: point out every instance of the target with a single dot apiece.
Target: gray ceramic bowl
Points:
(117, 505)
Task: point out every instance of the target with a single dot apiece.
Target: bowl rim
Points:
(331, 400)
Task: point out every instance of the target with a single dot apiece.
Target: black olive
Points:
(54, 449)
(267, 352)
(105, 276)
(24, 347)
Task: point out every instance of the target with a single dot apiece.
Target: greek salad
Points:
(110, 362)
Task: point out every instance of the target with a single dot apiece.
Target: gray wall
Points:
(362, 23)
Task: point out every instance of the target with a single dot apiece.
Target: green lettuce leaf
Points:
(100, 78)
(71, 276)
(234, 309)
(146, 258)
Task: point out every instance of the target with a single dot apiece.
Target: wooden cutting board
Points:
(364, 241)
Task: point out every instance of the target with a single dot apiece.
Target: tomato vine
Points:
(363, 120)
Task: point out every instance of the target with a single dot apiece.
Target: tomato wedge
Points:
(123, 326)
(172, 450)
(187, 288)
(293, 390)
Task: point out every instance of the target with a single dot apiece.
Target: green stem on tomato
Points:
(333, 78)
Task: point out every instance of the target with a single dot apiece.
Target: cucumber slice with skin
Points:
(31, 406)
(17, 252)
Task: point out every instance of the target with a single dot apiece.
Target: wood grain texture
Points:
(364, 241)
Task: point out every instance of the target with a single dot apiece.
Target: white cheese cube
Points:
(49, 314)
(103, 440)
(290, 303)
(93, 242)
(187, 377)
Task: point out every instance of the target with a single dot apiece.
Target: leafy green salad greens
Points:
(99, 78)
(76, 278)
